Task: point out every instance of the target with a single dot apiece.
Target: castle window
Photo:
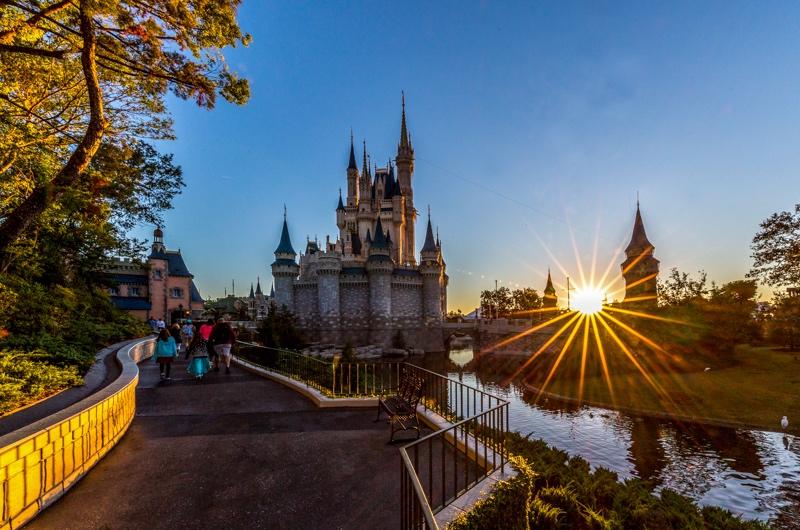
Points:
(157, 274)
(176, 293)
(133, 291)
(112, 291)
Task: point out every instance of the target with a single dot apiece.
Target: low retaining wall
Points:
(40, 462)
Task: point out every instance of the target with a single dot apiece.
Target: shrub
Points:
(24, 379)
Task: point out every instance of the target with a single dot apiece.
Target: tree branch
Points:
(8, 34)
(56, 54)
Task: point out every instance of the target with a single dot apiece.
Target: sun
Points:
(588, 301)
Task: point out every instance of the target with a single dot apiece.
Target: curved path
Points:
(236, 451)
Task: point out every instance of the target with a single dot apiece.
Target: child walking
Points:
(199, 364)
(164, 352)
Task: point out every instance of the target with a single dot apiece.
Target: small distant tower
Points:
(640, 269)
(550, 301)
(285, 269)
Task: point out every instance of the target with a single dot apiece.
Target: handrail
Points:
(471, 431)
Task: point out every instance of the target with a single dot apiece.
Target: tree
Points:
(497, 302)
(279, 330)
(731, 312)
(776, 250)
(78, 75)
(681, 289)
(783, 325)
(526, 300)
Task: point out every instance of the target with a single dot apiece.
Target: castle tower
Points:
(329, 266)
(352, 176)
(430, 267)
(158, 241)
(379, 268)
(550, 301)
(285, 270)
(405, 172)
(640, 269)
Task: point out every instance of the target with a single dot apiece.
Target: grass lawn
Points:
(757, 386)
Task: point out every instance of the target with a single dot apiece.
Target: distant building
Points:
(367, 286)
(640, 269)
(550, 299)
(161, 288)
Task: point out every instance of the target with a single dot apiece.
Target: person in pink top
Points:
(205, 329)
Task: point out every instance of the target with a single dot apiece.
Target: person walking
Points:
(224, 338)
(188, 334)
(205, 332)
(175, 331)
(152, 323)
(160, 325)
(164, 352)
(199, 364)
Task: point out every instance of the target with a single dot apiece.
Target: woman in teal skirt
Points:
(198, 349)
(164, 352)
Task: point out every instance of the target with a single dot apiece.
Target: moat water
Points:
(755, 474)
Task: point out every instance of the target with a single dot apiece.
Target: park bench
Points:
(401, 404)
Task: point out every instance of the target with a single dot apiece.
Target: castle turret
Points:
(340, 213)
(640, 269)
(285, 269)
(379, 267)
(352, 176)
(550, 301)
(329, 266)
(430, 267)
(405, 172)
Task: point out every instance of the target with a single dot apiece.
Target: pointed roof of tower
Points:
(380, 238)
(352, 164)
(355, 244)
(390, 183)
(388, 238)
(430, 242)
(404, 140)
(369, 238)
(285, 246)
(272, 291)
(549, 289)
(365, 167)
(258, 286)
(341, 204)
(251, 291)
(639, 236)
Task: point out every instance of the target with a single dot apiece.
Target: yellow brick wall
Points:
(36, 468)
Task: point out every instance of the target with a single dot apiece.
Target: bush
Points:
(553, 491)
(24, 379)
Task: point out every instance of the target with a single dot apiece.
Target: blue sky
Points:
(534, 125)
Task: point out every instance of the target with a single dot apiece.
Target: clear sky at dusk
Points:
(534, 126)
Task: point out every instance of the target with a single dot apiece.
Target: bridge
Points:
(487, 331)
(237, 450)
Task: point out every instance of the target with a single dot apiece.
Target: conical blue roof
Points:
(389, 191)
(430, 242)
(272, 291)
(258, 287)
(285, 246)
(251, 291)
(368, 238)
(352, 164)
(380, 238)
(388, 238)
(341, 205)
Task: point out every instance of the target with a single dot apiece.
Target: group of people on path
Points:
(211, 342)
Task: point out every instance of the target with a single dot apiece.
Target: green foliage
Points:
(506, 302)
(24, 378)
(776, 250)
(349, 352)
(51, 334)
(553, 491)
(279, 330)
(399, 340)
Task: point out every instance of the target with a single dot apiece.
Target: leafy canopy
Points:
(776, 250)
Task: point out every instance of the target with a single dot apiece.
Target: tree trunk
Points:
(21, 218)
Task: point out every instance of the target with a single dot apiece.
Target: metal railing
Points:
(436, 469)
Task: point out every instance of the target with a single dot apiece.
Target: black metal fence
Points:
(468, 446)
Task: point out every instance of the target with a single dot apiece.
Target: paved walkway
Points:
(236, 451)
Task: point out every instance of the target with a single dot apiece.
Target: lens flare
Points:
(588, 301)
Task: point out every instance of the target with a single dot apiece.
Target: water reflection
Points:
(752, 473)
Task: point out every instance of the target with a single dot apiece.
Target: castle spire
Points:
(549, 289)
(352, 164)
(404, 142)
(380, 237)
(430, 242)
(285, 245)
(258, 286)
(251, 291)
(365, 167)
(341, 204)
(639, 241)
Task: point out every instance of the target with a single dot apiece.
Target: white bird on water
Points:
(784, 424)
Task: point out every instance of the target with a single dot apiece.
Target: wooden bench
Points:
(401, 406)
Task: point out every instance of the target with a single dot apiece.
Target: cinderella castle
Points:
(367, 286)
